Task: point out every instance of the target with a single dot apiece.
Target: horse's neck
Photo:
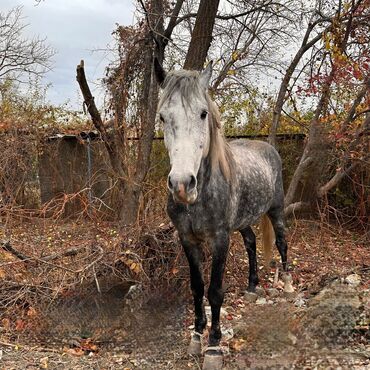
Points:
(204, 174)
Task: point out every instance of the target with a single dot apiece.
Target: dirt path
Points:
(328, 330)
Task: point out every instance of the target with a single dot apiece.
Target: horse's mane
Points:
(187, 84)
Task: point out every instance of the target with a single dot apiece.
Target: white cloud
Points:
(74, 28)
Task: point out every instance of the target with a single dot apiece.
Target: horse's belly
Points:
(253, 202)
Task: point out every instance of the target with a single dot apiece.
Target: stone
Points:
(292, 338)
(261, 300)
(260, 291)
(272, 292)
(250, 297)
(353, 280)
(290, 294)
(299, 302)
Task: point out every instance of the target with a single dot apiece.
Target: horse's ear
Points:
(160, 73)
(205, 76)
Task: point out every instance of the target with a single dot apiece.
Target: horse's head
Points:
(183, 109)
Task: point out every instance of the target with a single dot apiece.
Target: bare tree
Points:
(18, 54)
(341, 50)
(307, 43)
(134, 96)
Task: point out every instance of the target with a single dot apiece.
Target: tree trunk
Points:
(202, 35)
(147, 113)
(303, 186)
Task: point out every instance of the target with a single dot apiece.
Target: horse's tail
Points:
(268, 238)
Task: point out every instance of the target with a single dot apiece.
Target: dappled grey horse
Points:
(216, 188)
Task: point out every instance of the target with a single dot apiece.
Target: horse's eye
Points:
(161, 118)
(203, 115)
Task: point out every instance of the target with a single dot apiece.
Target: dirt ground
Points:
(324, 325)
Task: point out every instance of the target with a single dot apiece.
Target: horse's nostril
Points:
(169, 183)
(192, 183)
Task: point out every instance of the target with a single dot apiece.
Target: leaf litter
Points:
(80, 327)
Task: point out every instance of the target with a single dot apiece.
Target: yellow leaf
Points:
(138, 268)
(234, 55)
(44, 362)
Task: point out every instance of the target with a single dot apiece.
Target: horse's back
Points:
(256, 148)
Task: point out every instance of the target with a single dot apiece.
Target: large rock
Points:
(333, 313)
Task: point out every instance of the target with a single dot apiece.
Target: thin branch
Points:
(67, 253)
(8, 247)
(351, 113)
(295, 207)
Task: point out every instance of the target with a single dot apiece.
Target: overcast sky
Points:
(74, 28)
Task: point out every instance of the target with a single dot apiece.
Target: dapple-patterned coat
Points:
(215, 188)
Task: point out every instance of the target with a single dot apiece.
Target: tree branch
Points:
(295, 207)
(67, 253)
(8, 248)
(346, 166)
(90, 104)
(306, 45)
(351, 113)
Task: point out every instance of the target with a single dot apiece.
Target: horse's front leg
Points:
(220, 247)
(194, 255)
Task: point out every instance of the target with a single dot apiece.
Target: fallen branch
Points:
(8, 248)
(68, 253)
(52, 257)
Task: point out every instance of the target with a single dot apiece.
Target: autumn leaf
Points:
(5, 323)
(237, 344)
(19, 325)
(74, 351)
(132, 265)
(88, 345)
(44, 362)
(31, 312)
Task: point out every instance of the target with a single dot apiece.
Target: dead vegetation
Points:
(106, 294)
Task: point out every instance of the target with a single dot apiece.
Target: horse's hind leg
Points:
(194, 255)
(249, 239)
(277, 219)
(276, 216)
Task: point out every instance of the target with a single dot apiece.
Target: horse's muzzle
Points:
(184, 190)
(187, 198)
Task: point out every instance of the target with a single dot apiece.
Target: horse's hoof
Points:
(213, 359)
(195, 345)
